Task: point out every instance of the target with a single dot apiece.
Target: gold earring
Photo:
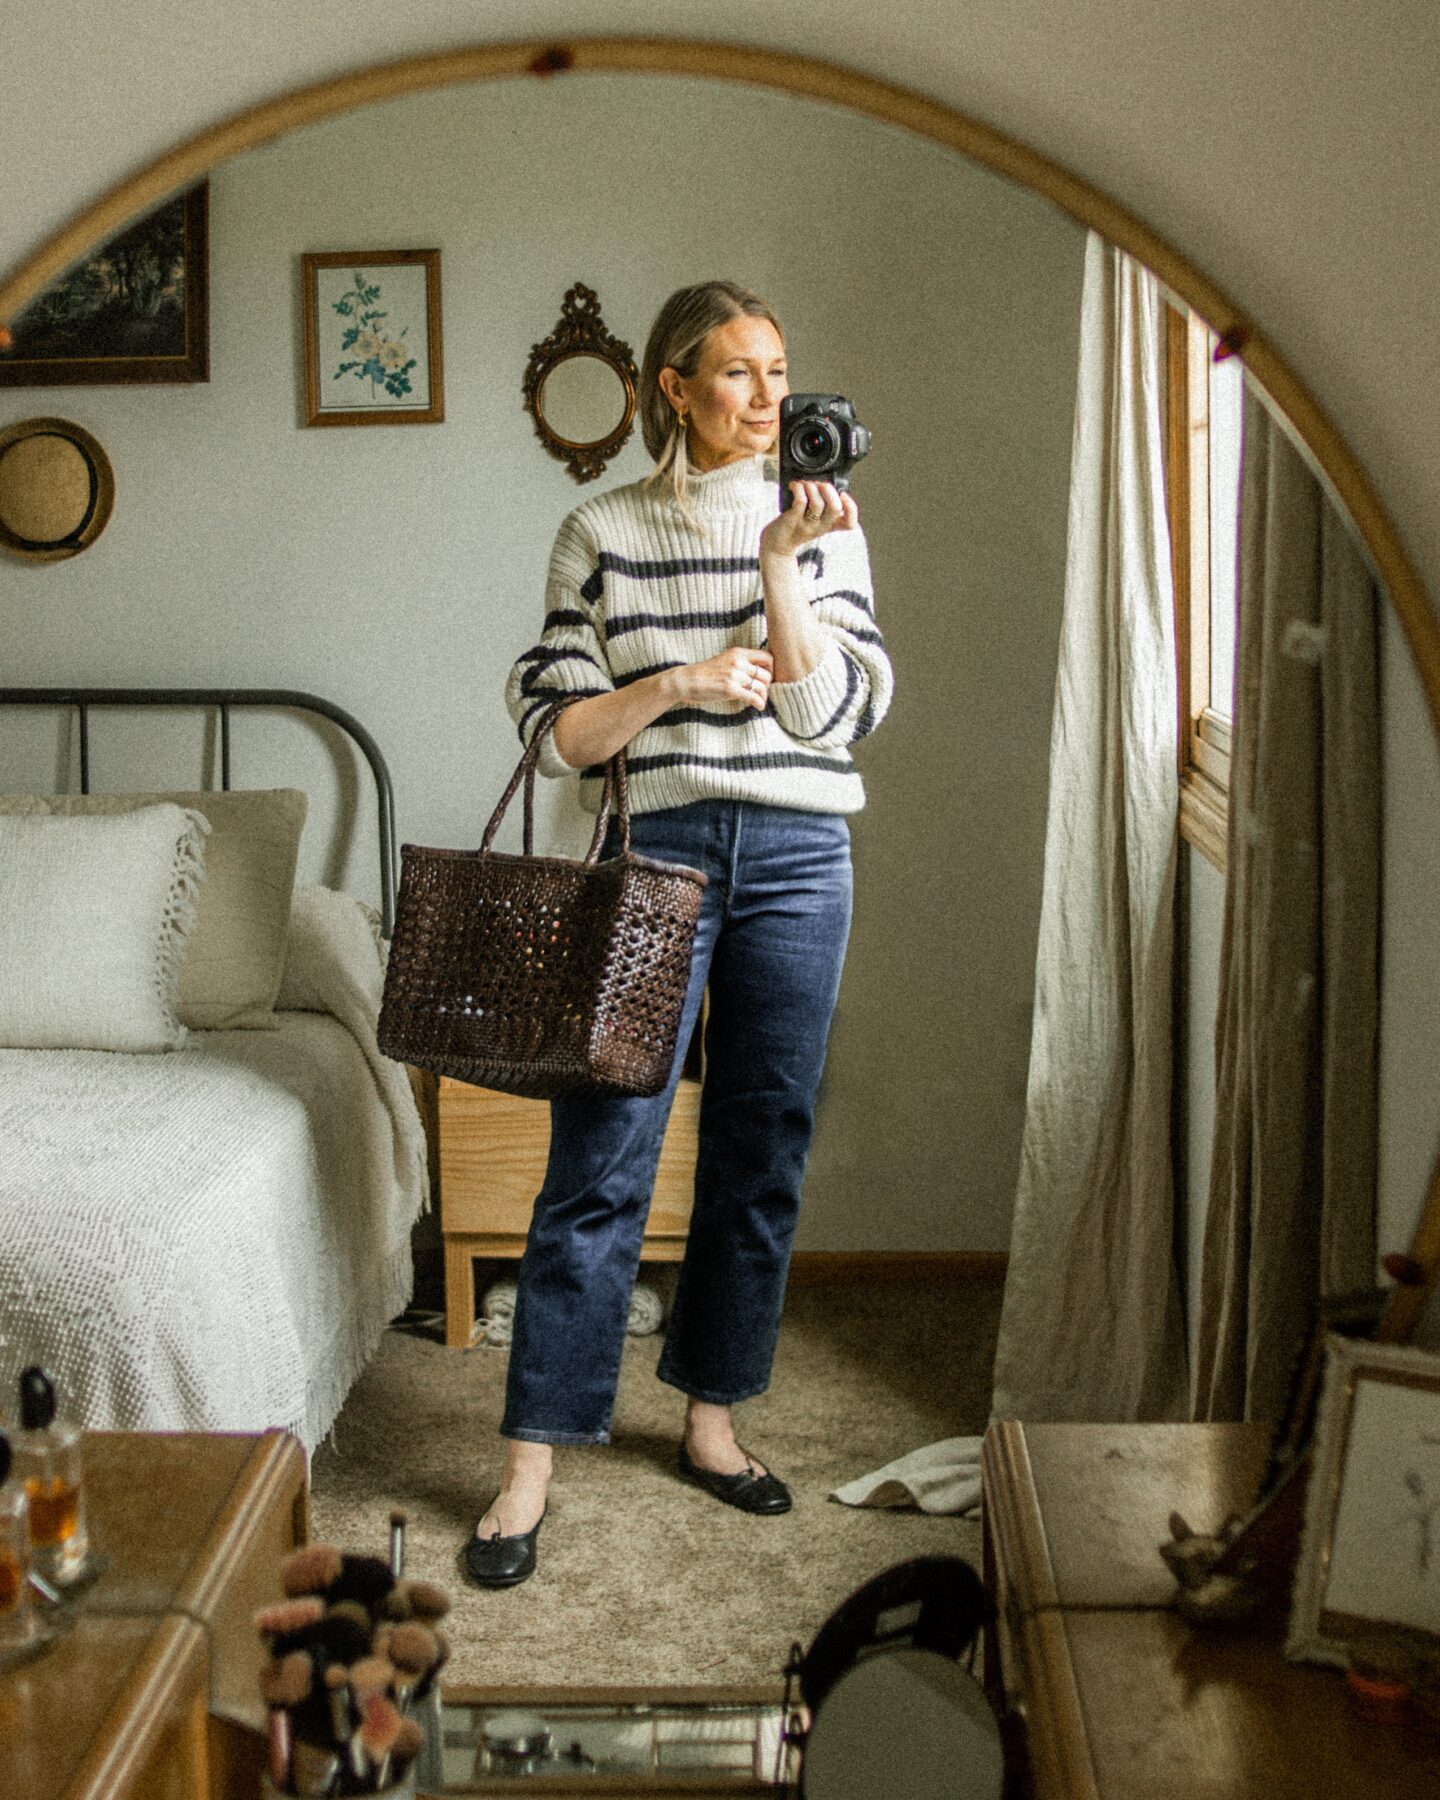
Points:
(684, 419)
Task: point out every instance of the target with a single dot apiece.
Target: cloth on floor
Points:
(942, 1478)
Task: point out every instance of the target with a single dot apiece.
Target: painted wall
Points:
(400, 571)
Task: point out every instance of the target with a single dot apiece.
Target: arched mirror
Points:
(579, 387)
(948, 307)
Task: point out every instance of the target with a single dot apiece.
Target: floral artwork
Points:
(381, 360)
(372, 338)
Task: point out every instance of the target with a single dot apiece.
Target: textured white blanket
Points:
(214, 1238)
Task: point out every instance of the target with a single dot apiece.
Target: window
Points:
(1205, 402)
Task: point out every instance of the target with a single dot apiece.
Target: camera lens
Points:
(815, 445)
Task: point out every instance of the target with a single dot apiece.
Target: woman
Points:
(732, 648)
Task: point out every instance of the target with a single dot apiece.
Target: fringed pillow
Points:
(94, 917)
(236, 954)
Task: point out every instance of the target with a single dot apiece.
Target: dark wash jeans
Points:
(771, 942)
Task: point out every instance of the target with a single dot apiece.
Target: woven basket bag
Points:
(541, 975)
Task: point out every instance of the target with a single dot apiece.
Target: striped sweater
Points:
(634, 588)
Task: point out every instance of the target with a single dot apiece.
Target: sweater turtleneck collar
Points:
(733, 487)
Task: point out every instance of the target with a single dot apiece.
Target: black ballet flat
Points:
(763, 1493)
(501, 1562)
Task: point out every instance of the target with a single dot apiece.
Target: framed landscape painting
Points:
(135, 310)
(372, 337)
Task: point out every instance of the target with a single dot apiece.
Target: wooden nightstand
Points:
(493, 1149)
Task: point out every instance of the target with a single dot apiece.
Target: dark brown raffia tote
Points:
(541, 975)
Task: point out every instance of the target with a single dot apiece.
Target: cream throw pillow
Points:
(231, 972)
(94, 914)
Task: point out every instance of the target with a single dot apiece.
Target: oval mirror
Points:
(580, 387)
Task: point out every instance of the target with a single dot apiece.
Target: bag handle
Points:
(615, 784)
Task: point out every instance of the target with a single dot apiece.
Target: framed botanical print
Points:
(372, 335)
(135, 310)
(1369, 1562)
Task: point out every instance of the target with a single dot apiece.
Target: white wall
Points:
(400, 571)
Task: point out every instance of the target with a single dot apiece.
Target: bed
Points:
(213, 1234)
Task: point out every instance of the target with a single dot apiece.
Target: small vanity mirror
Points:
(580, 388)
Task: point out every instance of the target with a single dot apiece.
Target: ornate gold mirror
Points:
(580, 387)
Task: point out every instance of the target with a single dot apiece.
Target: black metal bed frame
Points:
(82, 699)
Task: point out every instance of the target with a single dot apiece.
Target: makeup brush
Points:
(413, 1649)
(355, 1613)
(363, 1578)
(371, 1675)
(427, 1680)
(313, 1770)
(288, 1618)
(397, 1545)
(285, 1680)
(410, 1599)
(337, 1690)
(339, 1636)
(409, 1742)
(279, 1748)
(379, 1730)
(310, 1569)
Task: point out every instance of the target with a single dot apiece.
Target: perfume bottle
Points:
(47, 1462)
(17, 1620)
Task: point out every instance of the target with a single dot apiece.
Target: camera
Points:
(820, 440)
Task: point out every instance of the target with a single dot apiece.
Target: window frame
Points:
(1204, 737)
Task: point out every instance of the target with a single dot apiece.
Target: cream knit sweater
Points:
(634, 588)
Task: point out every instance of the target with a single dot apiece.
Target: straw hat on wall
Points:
(57, 489)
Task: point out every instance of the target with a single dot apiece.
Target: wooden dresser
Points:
(1119, 1697)
(493, 1149)
(151, 1692)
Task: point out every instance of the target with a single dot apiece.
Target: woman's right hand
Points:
(737, 674)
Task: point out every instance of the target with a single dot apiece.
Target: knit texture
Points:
(634, 587)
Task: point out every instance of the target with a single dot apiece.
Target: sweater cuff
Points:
(805, 707)
(550, 761)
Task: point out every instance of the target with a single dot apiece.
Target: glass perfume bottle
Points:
(17, 1619)
(47, 1463)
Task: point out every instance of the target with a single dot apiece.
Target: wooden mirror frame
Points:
(580, 331)
(808, 77)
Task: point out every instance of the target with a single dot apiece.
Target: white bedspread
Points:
(214, 1238)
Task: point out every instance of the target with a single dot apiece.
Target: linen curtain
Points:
(1091, 1326)
(1291, 1213)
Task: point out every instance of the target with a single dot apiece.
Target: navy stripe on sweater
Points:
(687, 621)
(776, 759)
(660, 568)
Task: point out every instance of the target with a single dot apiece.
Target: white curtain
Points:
(1091, 1327)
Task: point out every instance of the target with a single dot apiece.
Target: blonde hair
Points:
(676, 338)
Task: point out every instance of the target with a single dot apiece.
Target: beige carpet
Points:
(642, 1578)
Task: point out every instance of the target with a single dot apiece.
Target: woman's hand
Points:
(817, 508)
(736, 674)
(590, 731)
